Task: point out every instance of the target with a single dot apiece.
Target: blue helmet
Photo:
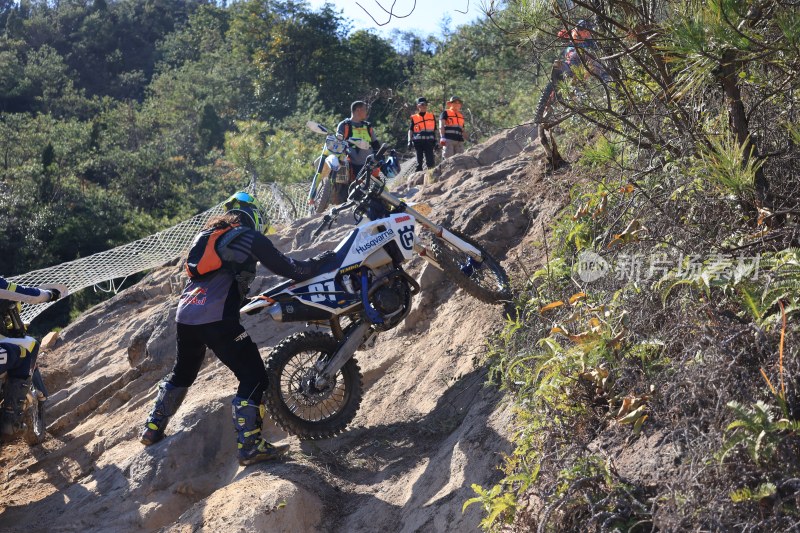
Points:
(249, 210)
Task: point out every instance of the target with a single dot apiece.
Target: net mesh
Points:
(284, 204)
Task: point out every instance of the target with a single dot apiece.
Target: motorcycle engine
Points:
(392, 301)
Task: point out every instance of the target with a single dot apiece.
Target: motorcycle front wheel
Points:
(295, 403)
(547, 99)
(323, 196)
(487, 281)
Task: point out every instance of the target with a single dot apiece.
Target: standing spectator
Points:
(422, 134)
(451, 128)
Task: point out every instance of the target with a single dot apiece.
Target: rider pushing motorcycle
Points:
(221, 265)
(17, 353)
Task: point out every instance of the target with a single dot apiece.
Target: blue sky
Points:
(425, 19)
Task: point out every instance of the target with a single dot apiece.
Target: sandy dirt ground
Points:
(428, 428)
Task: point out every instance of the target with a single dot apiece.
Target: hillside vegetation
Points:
(119, 118)
(653, 361)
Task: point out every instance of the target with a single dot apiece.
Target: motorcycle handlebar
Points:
(319, 229)
(331, 216)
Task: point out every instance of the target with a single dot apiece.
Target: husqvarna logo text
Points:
(385, 236)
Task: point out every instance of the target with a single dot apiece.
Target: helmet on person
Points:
(391, 167)
(249, 210)
(585, 24)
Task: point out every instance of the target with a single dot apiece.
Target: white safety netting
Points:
(284, 205)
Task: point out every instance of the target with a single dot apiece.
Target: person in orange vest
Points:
(451, 128)
(581, 35)
(422, 133)
(581, 38)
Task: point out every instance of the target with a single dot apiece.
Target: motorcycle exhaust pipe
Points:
(296, 312)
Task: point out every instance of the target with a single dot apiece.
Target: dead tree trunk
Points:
(551, 149)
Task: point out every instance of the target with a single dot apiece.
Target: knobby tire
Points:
(544, 100)
(281, 413)
(443, 253)
(323, 196)
(35, 426)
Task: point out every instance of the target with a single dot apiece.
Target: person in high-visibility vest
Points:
(580, 38)
(451, 128)
(355, 127)
(422, 134)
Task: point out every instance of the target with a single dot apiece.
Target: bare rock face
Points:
(426, 431)
(274, 505)
(504, 145)
(49, 341)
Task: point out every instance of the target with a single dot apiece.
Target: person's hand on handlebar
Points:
(331, 216)
(326, 220)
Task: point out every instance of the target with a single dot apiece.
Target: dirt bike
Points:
(14, 331)
(332, 175)
(358, 291)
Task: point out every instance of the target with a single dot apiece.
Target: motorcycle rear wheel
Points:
(544, 101)
(487, 281)
(35, 426)
(294, 404)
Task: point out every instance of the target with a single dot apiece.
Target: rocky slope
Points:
(427, 429)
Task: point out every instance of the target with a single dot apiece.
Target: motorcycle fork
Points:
(424, 253)
(343, 354)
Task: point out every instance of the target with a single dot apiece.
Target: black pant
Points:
(11, 360)
(425, 147)
(231, 344)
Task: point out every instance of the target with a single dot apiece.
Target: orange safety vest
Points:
(454, 124)
(423, 126)
(580, 35)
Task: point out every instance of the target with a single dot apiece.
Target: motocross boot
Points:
(247, 419)
(167, 402)
(14, 403)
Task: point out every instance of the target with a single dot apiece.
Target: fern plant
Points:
(757, 285)
(498, 504)
(763, 491)
(756, 429)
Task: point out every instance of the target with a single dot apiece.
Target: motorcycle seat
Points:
(334, 261)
